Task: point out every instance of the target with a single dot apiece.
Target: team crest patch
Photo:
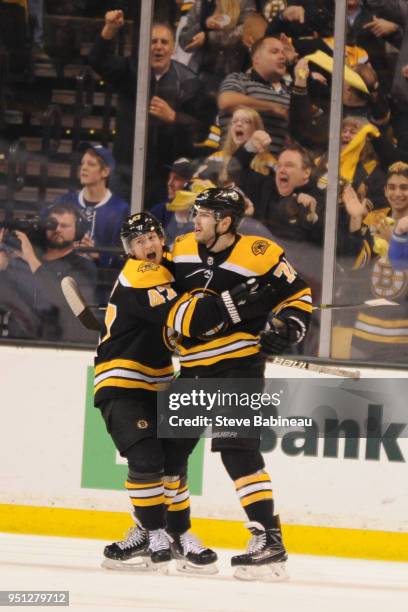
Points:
(142, 424)
(259, 247)
(147, 267)
(387, 282)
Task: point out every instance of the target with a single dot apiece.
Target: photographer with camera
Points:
(17, 318)
(31, 299)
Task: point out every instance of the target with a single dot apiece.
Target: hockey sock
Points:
(147, 498)
(252, 483)
(255, 494)
(178, 512)
(171, 486)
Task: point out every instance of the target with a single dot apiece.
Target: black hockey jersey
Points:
(135, 349)
(196, 270)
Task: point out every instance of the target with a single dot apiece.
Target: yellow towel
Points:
(326, 62)
(350, 155)
(185, 199)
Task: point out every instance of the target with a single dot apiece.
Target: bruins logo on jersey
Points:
(259, 247)
(142, 424)
(148, 267)
(387, 282)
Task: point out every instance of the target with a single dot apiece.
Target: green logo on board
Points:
(101, 468)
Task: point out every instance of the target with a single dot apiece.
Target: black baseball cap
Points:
(183, 167)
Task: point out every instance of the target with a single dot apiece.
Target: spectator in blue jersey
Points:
(104, 210)
(398, 253)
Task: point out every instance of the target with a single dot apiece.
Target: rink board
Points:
(61, 475)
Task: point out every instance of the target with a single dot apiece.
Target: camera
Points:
(35, 228)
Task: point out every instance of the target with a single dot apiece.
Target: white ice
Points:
(317, 584)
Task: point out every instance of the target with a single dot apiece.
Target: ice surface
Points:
(317, 584)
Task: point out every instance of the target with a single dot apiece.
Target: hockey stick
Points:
(367, 304)
(78, 305)
(84, 313)
(305, 365)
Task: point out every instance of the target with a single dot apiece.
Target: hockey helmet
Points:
(138, 225)
(224, 202)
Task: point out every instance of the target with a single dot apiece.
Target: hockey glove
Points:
(245, 301)
(280, 335)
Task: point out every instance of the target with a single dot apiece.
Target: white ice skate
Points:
(141, 551)
(191, 556)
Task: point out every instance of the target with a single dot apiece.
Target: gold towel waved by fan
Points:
(326, 62)
(185, 199)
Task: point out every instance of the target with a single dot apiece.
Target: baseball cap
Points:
(183, 167)
(102, 152)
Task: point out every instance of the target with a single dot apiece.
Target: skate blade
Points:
(271, 572)
(138, 564)
(186, 567)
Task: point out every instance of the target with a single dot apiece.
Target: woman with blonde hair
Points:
(244, 122)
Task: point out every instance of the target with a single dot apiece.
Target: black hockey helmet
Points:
(224, 202)
(138, 225)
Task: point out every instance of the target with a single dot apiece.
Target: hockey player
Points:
(215, 257)
(133, 362)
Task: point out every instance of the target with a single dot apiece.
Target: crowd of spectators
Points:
(240, 95)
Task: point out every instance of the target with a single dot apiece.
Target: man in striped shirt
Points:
(262, 88)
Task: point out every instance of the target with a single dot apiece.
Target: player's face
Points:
(270, 60)
(64, 233)
(204, 225)
(242, 127)
(175, 183)
(161, 49)
(148, 247)
(92, 171)
(396, 192)
(290, 173)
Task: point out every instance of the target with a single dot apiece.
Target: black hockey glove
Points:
(245, 301)
(280, 335)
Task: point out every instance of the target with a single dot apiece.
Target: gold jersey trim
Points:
(144, 274)
(129, 374)
(122, 383)
(181, 314)
(385, 323)
(380, 330)
(132, 365)
(231, 347)
(301, 300)
(259, 254)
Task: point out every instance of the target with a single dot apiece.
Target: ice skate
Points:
(191, 556)
(159, 553)
(129, 553)
(265, 556)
